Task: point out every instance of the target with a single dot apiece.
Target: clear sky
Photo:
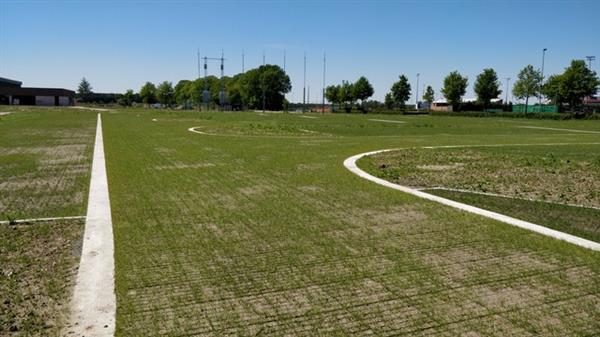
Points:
(118, 45)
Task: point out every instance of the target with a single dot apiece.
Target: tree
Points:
(389, 101)
(127, 98)
(578, 82)
(401, 92)
(346, 95)
(84, 91)
(270, 78)
(553, 89)
(455, 86)
(528, 84)
(182, 93)
(148, 93)
(429, 95)
(165, 93)
(487, 87)
(332, 93)
(362, 90)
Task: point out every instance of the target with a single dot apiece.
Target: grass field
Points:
(254, 227)
(45, 157)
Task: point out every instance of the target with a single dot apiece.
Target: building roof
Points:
(8, 82)
(12, 87)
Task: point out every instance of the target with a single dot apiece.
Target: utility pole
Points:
(243, 70)
(590, 59)
(304, 87)
(543, 59)
(417, 98)
(222, 93)
(507, 86)
(323, 98)
(198, 62)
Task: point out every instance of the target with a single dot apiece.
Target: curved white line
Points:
(350, 164)
(314, 134)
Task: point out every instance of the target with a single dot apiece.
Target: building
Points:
(12, 93)
(441, 105)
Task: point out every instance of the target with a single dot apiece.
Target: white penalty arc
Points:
(350, 164)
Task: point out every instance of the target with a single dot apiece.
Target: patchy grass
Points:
(45, 158)
(39, 266)
(252, 235)
(560, 174)
(583, 222)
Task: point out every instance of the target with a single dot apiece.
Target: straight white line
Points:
(556, 129)
(387, 121)
(94, 302)
(313, 117)
(44, 219)
(350, 164)
(439, 188)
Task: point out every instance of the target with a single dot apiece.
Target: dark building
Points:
(11, 93)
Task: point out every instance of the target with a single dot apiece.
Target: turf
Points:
(579, 221)
(45, 158)
(258, 229)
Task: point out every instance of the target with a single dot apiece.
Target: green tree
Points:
(182, 93)
(165, 93)
(487, 87)
(553, 89)
(127, 98)
(270, 78)
(389, 101)
(84, 90)
(362, 90)
(346, 94)
(429, 95)
(148, 93)
(332, 93)
(401, 92)
(578, 82)
(528, 84)
(455, 86)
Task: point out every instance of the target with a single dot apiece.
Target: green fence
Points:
(535, 108)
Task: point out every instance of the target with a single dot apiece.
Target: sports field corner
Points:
(243, 224)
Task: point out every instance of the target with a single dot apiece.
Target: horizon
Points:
(121, 46)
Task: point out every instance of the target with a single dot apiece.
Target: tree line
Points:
(267, 85)
(264, 86)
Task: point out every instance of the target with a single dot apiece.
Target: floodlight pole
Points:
(543, 59)
(304, 87)
(507, 82)
(323, 97)
(264, 98)
(417, 98)
(590, 59)
(243, 70)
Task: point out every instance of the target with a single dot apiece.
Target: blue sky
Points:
(119, 45)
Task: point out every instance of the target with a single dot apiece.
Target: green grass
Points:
(262, 231)
(45, 158)
(582, 222)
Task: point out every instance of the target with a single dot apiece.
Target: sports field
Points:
(249, 224)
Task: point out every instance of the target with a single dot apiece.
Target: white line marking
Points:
(44, 219)
(313, 117)
(89, 108)
(350, 164)
(316, 134)
(94, 302)
(387, 121)
(556, 129)
(440, 188)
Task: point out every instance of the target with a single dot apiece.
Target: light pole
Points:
(590, 59)
(543, 59)
(417, 99)
(507, 86)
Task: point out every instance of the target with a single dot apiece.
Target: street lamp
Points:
(543, 59)
(417, 99)
(507, 82)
